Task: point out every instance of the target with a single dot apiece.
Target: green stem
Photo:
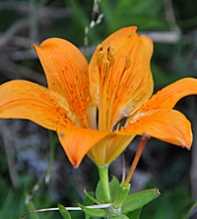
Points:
(104, 179)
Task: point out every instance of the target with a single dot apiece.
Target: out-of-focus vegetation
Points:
(34, 172)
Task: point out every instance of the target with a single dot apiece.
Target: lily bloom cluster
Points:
(98, 108)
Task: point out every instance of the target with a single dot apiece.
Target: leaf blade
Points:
(64, 213)
(139, 199)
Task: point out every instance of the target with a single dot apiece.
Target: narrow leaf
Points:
(120, 217)
(135, 214)
(139, 199)
(118, 192)
(90, 198)
(31, 209)
(192, 211)
(65, 214)
(87, 216)
(92, 212)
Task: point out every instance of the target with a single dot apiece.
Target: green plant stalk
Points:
(104, 179)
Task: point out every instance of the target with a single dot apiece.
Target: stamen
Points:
(121, 123)
(110, 55)
(97, 117)
(100, 56)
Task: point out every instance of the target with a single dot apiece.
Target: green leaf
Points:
(192, 209)
(100, 195)
(65, 214)
(120, 217)
(135, 214)
(139, 199)
(90, 199)
(78, 12)
(31, 209)
(87, 217)
(93, 212)
(118, 192)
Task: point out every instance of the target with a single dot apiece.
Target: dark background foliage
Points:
(34, 172)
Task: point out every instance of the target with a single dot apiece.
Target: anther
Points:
(110, 56)
(121, 123)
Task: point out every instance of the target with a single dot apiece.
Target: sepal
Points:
(118, 192)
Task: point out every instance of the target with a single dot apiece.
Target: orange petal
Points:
(109, 148)
(26, 100)
(120, 75)
(77, 142)
(167, 97)
(66, 70)
(167, 125)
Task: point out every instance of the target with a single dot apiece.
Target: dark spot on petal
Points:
(108, 49)
(101, 49)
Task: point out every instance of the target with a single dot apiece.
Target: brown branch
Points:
(193, 170)
(170, 14)
(16, 71)
(43, 11)
(9, 149)
(34, 22)
(140, 148)
(14, 29)
(23, 55)
(172, 36)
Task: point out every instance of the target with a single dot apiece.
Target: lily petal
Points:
(167, 125)
(120, 75)
(66, 70)
(167, 97)
(26, 100)
(109, 148)
(78, 141)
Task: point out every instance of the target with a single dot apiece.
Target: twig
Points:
(170, 16)
(23, 8)
(12, 70)
(140, 148)
(100, 206)
(33, 16)
(37, 15)
(36, 188)
(164, 36)
(158, 37)
(20, 41)
(9, 149)
(169, 11)
(16, 27)
(23, 55)
(123, 167)
(96, 19)
(193, 172)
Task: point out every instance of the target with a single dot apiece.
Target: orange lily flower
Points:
(99, 108)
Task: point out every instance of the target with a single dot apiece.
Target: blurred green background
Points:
(34, 172)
